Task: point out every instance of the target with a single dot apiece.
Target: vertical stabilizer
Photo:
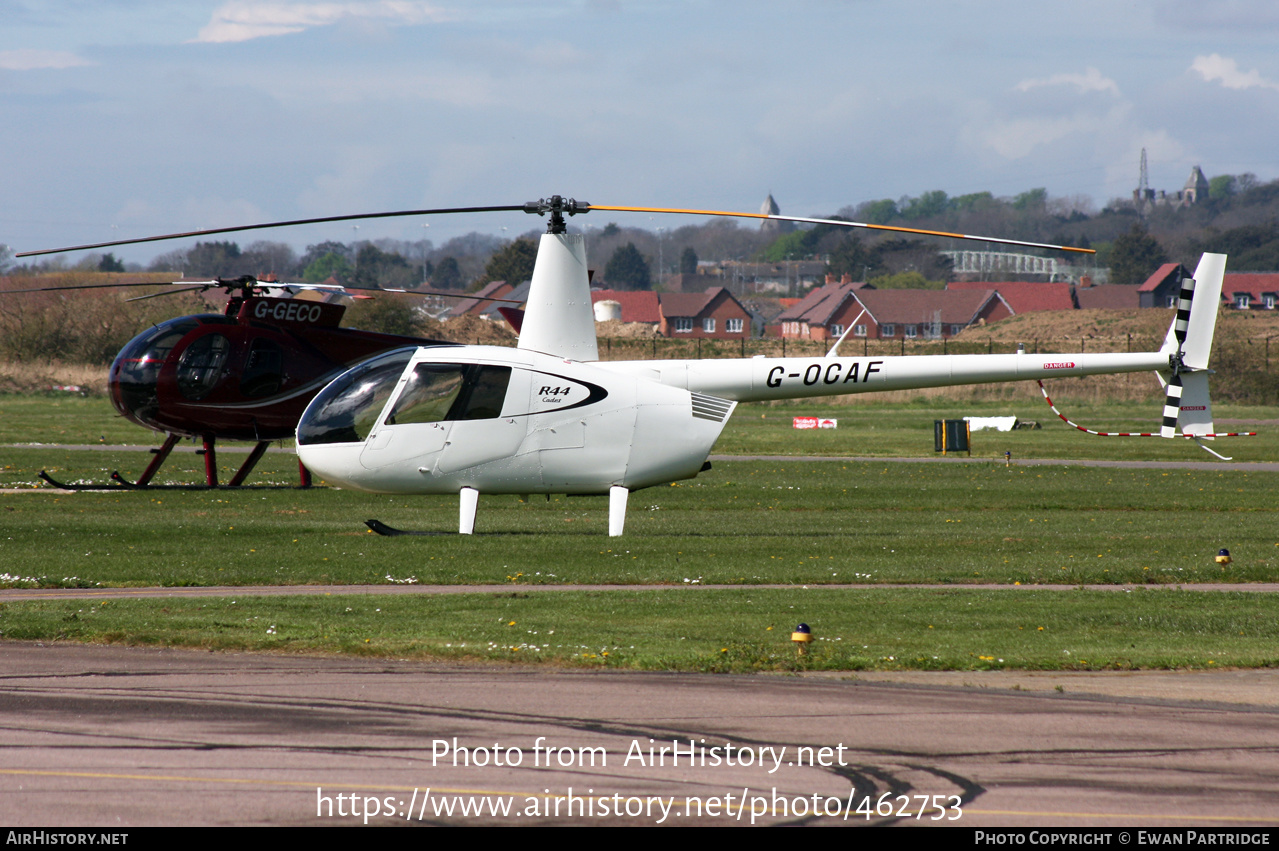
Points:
(1196, 408)
(1203, 313)
(1188, 409)
(558, 319)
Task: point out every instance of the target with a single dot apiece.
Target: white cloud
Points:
(31, 60)
(1017, 138)
(243, 20)
(1217, 68)
(1089, 81)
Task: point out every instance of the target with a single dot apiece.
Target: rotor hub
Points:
(557, 206)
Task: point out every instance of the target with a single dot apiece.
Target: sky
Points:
(124, 118)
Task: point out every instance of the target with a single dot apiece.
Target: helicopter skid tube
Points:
(122, 484)
(119, 482)
(44, 476)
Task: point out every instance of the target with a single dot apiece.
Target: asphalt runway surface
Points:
(117, 737)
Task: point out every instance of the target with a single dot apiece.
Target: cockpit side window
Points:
(428, 395)
(200, 366)
(483, 395)
(440, 392)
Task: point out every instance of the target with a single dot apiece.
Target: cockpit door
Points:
(482, 438)
(448, 417)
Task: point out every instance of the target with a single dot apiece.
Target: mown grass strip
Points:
(867, 426)
(741, 523)
(719, 631)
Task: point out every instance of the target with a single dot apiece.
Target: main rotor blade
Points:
(580, 208)
(341, 289)
(845, 224)
(201, 288)
(513, 208)
(90, 287)
(444, 293)
(191, 286)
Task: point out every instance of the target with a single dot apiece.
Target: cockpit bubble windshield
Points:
(136, 370)
(346, 410)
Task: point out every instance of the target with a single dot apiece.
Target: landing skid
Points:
(119, 482)
(68, 487)
(122, 484)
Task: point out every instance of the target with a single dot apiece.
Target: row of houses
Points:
(828, 312)
(858, 309)
(715, 313)
(1240, 290)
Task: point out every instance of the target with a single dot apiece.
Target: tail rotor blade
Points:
(1172, 407)
(1184, 301)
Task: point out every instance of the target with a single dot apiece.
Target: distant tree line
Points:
(1240, 217)
(381, 263)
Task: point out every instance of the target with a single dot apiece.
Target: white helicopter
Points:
(550, 417)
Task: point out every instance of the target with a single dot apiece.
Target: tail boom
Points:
(763, 379)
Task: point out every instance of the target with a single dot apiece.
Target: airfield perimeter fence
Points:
(1245, 373)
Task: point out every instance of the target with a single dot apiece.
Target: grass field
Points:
(707, 630)
(742, 522)
(868, 426)
(748, 523)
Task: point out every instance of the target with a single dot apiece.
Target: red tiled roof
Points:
(685, 304)
(1252, 283)
(637, 305)
(1108, 296)
(1161, 274)
(909, 307)
(818, 306)
(1024, 296)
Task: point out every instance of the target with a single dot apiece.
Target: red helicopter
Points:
(249, 373)
(245, 375)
